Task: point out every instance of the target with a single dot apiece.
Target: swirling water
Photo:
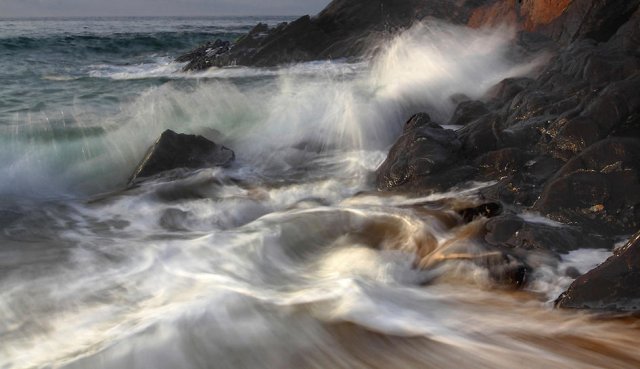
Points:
(288, 259)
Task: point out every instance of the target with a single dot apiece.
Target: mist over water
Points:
(327, 105)
(288, 259)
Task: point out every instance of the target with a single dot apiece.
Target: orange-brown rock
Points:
(525, 14)
(498, 13)
(541, 12)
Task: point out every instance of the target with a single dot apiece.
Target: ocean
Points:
(288, 259)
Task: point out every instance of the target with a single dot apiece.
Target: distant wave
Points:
(116, 43)
(165, 67)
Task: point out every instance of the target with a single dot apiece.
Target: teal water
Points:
(66, 82)
(52, 67)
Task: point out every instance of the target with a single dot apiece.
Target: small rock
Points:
(173, 150)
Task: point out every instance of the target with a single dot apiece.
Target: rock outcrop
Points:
(565, 144)
(174, 150)
(344, 29)
(612, 286)
(351, 28)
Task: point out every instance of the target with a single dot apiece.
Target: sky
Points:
(107, 8)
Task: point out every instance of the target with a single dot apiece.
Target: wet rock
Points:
(344, 29)
(482, 135)
(599, 189)
(504, 268)
(612, 286)
(422, 155)
(507, 270)
(488, 210)
(204, 56)
(513, 190)
(513, 232)
(508, 88)
(501, 163)
(173, 151)
(468, 111)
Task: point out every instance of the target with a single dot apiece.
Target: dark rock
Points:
(508, 88)
(344, 29)
(507, 270)
(599, 188)
(628, 36)
(173, 150)
(572, 272)
(482, 135)
(511, 190)
(423, 154)
(500, 163)
(513, 232)
(612, 286)
(204, 56)
(565, 143)
(488, 210)
(468, 111)
(598, 20)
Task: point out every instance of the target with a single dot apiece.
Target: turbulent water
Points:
(288, 259)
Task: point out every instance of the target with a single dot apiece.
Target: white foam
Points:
(325, 105)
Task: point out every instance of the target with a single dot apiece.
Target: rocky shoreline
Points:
(565, 144)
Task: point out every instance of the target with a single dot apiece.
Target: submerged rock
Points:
(514, 232)
(612, 286)
(174, 150)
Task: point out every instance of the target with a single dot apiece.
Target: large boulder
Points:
(174, 150)
(422, 158)
(613, 286)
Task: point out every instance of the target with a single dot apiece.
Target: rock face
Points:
(174, 150)
(614, 285)
(344, 29)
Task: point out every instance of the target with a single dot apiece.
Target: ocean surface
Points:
(288, 259)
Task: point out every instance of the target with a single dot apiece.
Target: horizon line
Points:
(31, 17)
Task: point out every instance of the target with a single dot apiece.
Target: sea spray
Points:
(273, 118)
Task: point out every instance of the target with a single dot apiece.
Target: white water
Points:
(324, 104)
(286, 260)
